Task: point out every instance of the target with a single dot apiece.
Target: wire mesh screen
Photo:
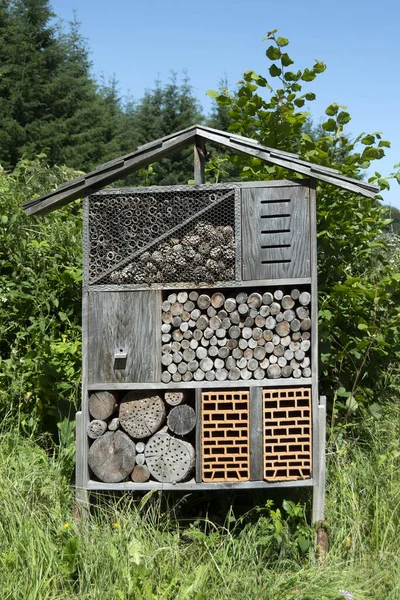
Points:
(181, 234)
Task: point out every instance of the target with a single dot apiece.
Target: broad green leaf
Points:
(212, 94)
(299, 102)
(368, 139)
(376, 410)
(308, 75)
(332, 109)
(329, 125)
(310, 96)
(319, 67)
(343, 118)
(281, 41)
(342, 392)
(351, 404)
(274, 71)
(273, 53)
(286, 60)
(362, 326)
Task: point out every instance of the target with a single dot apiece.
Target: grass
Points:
(192, 547)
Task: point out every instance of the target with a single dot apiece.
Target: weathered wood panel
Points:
(275, 233)
(122, 323)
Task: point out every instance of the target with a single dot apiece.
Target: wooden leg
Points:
(318, 507)
(81, 508)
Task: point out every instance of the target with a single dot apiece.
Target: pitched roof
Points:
(148, 153)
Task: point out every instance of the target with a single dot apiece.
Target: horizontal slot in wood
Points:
(271, 262)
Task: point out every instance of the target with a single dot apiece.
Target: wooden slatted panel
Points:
(287, 434)
(275, 233)
(123, 323)
(225, 436)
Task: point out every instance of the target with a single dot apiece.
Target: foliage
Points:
(40, 299)
(48, 98)
(163, 110)
(359, 292)
(145, 547)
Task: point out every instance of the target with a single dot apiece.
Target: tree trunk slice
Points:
(169, 459)
(114, 424)
(102, 405)
(275, 309)
(140, 446)
(142, 416)
(112, 456)
(274, 371)
(305, 298)
(173, 399)
(182, 419)
(203, 301)
(230, 305)
(140, 459)
(241, 298)
(217, 300)
(96, 428)
(254, 300)
(140, 474)
(287, 302)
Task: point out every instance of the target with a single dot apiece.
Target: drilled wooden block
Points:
(225, 436)
(287, 434)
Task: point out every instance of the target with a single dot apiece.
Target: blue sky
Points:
(139, 41)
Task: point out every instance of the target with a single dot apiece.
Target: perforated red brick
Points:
(225, 436)
(287, 434)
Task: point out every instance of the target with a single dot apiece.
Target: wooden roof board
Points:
(147, 153)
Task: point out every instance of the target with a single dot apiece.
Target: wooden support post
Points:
(257, 435)
(199, 161)
(81, 507)
(318, 508)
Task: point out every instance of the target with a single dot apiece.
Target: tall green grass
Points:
(147, 547)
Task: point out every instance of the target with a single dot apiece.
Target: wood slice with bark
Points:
(102, 405)
(114, 424)
(287, 302)
(173, 399)
(140, 474)
(96, 428)
(140, 459)
(217, 300)
(274, 371)
(112, 456)
(203, 301)
(182, 419)
(254, 300)
(140, 415)
(169, 459)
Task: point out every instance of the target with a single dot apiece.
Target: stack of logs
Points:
(225, 336)
(131, 440)
(205, 253)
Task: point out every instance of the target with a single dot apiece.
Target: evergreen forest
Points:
(57, 121)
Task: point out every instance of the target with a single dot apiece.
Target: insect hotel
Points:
(200, 345)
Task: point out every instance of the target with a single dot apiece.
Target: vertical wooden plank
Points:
(119, 323)
(198, 434)
(256, 435)
(83, 419)
(199, 160)
(276, 236)
(318, 507)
